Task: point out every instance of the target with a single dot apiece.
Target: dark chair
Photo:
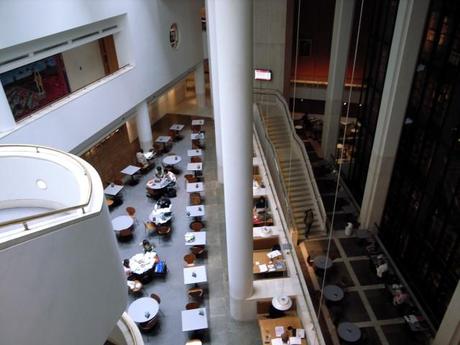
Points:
(192, 305)
(190, 178)
(125, 235)
(198, 250)
(189, 259)
(195, 159)
(197, 225)
(195, 199)
(147, 327)
(195, 293)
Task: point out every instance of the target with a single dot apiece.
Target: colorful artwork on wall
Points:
(33, 86)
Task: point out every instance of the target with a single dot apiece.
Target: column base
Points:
(243, 309)
(146, 145)
(201, 100)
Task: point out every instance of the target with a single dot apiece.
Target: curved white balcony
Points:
(62, 275)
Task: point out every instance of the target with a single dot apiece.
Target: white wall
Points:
(83, 65)
(270, 41)
(145, 42)
(68, 289)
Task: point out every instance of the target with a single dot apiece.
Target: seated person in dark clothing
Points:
(261, 203)
(274, 313)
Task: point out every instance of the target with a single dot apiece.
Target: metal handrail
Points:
(287, 224)
(300, 146)
(286, 210)
(26, 219)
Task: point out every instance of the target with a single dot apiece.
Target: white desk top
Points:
(141, 263)
(122, 223)
(197, 238)
(196, 136)
(194, 319)
(195, 166)
(195, 187)
(199, 122)
(130, 170)
(176, 127)
(171, 160)
(193, 153)
(143, 309)
(113, 189)
(195, 275)
(195, 211)
(163, 139)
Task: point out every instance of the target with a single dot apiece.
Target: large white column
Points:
(7, 121)
(233, 39)
(212, 49)
(200, 87)
(144, 130)
(449, 330)
(343, 22)
(408, 31)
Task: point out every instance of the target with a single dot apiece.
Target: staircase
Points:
(299, 186)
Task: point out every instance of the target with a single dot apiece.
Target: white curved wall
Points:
(63, 284)
(65, 287)
(19, 176)
(143, 43)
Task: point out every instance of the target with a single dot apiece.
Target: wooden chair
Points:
(196, 225)
(195, 293)
(190, 178)
(196, 159)
(148, 326)
(196, 145)
(150, 228)
(189, 259)
(192, 305)
(172, 134)
(158, 299)
(195, 199)
(125, 234)
(198, 250)
(131, 211)
(163, 230)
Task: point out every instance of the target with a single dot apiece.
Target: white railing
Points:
(67, 161)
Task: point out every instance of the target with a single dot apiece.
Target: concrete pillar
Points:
(200, 87)
(7, 121)
(144, 130)
(343, 23)
(449, 330)
(234, 43)
(212, 50)
(402, 61)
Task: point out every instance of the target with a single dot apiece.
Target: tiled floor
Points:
(366, 302)
(223, 330)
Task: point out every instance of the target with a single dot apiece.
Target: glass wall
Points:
(360, 135)
(421, 221)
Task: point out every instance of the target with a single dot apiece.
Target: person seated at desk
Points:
(148, 247)
(400, 296)
(382, 266)
(261, 203)
(141, 158)
(159, 171)
(127, 269)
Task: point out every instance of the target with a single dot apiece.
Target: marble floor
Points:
(222, 329)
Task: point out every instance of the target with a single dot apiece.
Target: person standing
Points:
(308, 221)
